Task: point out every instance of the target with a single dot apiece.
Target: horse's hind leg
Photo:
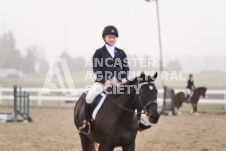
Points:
(87, 144)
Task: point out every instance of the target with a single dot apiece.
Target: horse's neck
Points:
(127, 101)
(197, 93)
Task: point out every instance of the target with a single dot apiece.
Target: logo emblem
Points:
(112, 31)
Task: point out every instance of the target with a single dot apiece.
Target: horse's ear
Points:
(132, 81)
(142, 76)
(154, 77)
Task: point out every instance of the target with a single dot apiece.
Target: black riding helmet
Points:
(110, 30)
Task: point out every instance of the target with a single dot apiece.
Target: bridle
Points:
(140, 101)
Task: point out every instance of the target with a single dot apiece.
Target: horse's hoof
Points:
(191, 111)
(196, 113)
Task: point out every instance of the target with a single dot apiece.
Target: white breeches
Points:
(98, 88)
(189, 92)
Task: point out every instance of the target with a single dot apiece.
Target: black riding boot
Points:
(141, 125)
(86, 124)
(187, 99)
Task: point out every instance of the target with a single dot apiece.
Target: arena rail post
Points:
(40, 97)
(28, 108)
(21, 108)
(15, 103)
(24, 99)
(20, 99)
(0, 95)
(173, 102)
(28, 104)
(225, 100)
(168, 93)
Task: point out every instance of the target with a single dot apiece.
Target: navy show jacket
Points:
(106, 67)
(190, 84)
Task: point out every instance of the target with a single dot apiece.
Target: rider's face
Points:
(110, 39)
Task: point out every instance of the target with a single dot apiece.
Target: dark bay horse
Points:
(116, 124)
(180, 98)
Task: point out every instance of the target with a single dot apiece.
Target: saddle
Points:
(97, 104)
(188, 96)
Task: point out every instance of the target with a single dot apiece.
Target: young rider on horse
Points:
(190, 88)
(109, 71)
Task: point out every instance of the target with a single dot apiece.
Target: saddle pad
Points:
(97, 108)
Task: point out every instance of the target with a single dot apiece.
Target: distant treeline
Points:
(11, 57)
(33, 62)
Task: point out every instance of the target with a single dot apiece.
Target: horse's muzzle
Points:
(153, 114)
(154, 119)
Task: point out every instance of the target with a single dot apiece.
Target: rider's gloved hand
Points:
(124, 81)
(108, 83)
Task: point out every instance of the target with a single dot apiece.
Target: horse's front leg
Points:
(130, 147)
(195, 109)
(178, 111)
(87, 144)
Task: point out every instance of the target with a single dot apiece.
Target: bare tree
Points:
(10, 56)
(30, 60)
(173, 65)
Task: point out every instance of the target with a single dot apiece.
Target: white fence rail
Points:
(39, 94)
(57, 95)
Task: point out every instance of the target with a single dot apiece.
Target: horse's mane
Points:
(131, 82)
(141, 78)
(201, 88)
(113, 87)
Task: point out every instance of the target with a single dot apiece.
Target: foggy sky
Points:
(188, 27)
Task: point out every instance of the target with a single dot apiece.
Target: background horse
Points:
(116, 123)
(180, 99)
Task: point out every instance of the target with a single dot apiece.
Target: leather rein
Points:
(140, 101)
